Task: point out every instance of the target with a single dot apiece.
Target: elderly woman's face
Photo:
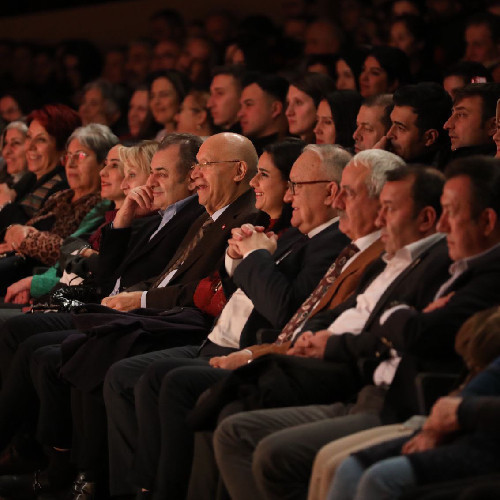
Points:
(163, 102)
(82, 168)
(14, 151)
(373, 79)
(41, 150)
(92, 108)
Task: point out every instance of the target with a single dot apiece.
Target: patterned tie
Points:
(324, 285)
(185, 253)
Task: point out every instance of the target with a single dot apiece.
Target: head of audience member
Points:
(463, 73)
(166, 24)
(196, 60)
(314, 184)
(262, 105)
(114, 66)
(336, 118)
(138, 64)
(405, 7)
(384, 70)
(270, 183)
(471, 206)
(409, 205)
(165, 55)
(373, 121)
(419, 113)
(496, 137)
(224, 166)
(167, 90)
(171, 168)
(472, 121)
(48, 131)
(250, 50)
(348, 68)
(193, 116)
(138, 110)
(304, 95)
(482, 39)
(219, 26)
(225, 94)
(81, 62)
(408, 33)
(99, 104)
(10, 109)
(358, 200)
(13, 142)
(86, 151)
(137, 164)
(322, 36)
(112, 175)
(322, 63)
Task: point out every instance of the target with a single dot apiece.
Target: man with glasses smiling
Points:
(276, 280)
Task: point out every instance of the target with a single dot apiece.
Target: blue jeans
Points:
(384, 480)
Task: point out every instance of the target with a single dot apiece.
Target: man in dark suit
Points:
(275, 279)
(222, 178)
(405, 340)
(134, 249)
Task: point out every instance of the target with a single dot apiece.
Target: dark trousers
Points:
(164, 395)
(19, 401)
(17, 329)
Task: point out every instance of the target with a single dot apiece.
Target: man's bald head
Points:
(225, 164)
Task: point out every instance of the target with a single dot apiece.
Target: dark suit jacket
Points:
(128, 253)
(206, 257)
(416, 285)
(341, 289)
(426, 340)
(277, 290)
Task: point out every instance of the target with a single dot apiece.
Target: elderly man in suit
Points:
(272, 284)
(222, 182)
(404, 341)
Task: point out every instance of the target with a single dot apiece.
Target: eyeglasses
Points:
(210, 163)
(293, 185)
(78, 156)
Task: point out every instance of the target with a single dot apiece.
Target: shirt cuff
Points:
(231, 264)
(143, 300)
(390, 311)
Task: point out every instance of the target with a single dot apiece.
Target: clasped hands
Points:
(310, 345)
(247, 238)
(14, 236)
(442, 421)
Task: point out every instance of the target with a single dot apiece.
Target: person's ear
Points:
(276, 109)
(241, 171)
(333, 191)
(430, 137)
(427, 219)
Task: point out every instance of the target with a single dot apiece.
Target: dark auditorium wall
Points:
(118, 22)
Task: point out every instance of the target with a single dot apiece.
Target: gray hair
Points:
(189, 144)
(333, 159)
(379, 162)
(96, 137)
(17, 125)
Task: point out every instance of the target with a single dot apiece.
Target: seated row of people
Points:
(171, 281)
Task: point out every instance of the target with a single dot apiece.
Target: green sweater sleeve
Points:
(43, 283)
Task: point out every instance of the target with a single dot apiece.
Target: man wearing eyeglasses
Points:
(271, 289)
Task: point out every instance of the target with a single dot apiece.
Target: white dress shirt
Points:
(227, 330)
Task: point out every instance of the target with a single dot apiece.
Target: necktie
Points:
(185, 253)
(324, 285)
